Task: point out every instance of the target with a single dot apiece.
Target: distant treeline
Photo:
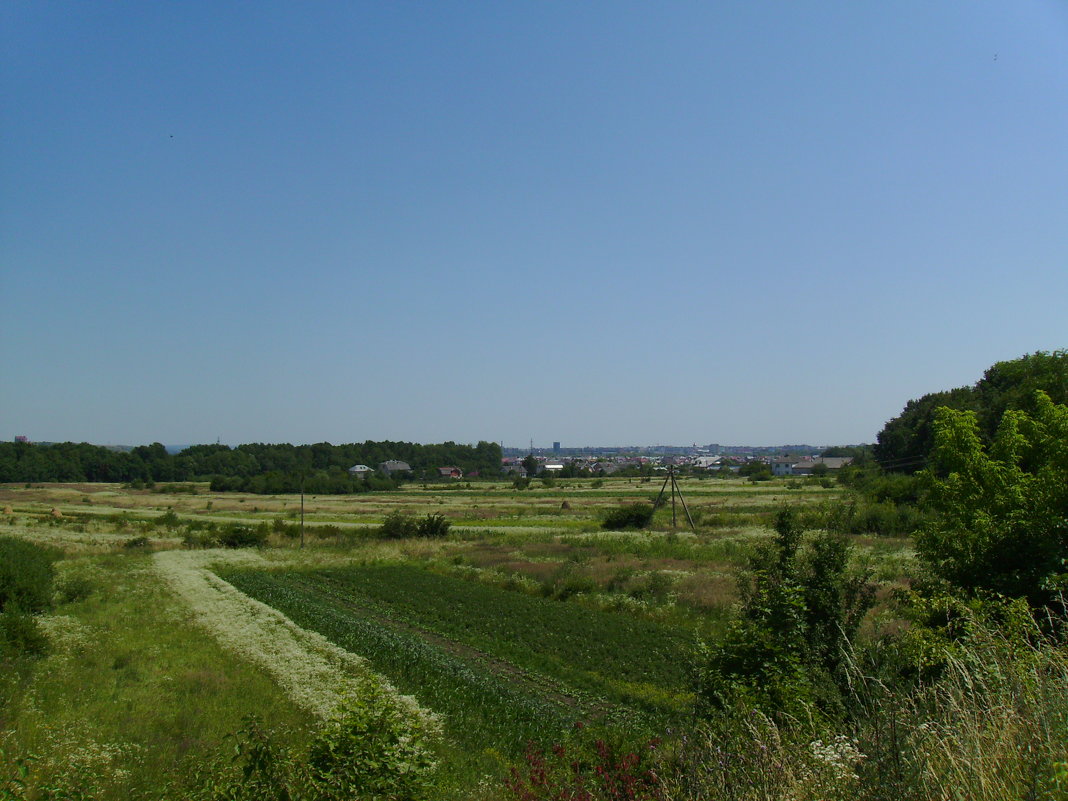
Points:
(255, 467)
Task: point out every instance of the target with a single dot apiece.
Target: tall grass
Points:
(992, 727)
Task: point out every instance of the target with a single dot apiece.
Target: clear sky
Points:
(598, 223)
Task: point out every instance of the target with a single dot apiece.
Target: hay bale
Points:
(56, 513)
(8, 510)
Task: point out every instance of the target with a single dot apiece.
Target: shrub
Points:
(631, 515)
(398, 525)
(137, 542)
(73, 587)
(167, 520)
(27, 572)
(237, 536)
(799, 616)
(373, 748)
(327, 532)
(19, 634)
(433, 526)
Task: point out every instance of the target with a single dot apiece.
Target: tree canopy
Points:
(68, 461)
(1001, 510)
(906, 442)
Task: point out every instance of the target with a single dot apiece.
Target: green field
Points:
(524, 620)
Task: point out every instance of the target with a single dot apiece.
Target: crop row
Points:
(480, 709)
(623, 661)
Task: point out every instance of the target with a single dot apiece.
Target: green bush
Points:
(373, 748)
(401, 525)
(433, 526)
(72, 587)
(19, 634)
(167, 520)
(800, 613)
(290, 530)
(398, 525)
(237, 536)
(631, 515)
(27, 572)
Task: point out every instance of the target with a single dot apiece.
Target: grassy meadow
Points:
(526, 619)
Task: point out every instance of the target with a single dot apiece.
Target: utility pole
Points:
(674, 489)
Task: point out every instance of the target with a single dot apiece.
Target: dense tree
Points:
(861, 454)
(906, 441)
(277, 466)
(1001, 511)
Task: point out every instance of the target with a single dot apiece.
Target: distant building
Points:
(360, 470)
(830, 462)
(450, 472)
(806, 465)
(552, 467)
(707, 462)
(784, 465)
(22, 438)
(394, 466)
(556, 447)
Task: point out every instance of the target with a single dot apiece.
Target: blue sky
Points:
(597, 223)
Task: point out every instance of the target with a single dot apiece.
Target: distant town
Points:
(781, 460)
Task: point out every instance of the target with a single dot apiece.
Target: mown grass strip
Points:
(480, 710)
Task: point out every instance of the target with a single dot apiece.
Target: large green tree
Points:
(1000, 510)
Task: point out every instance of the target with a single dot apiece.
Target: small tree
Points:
(530, 464)
(799, 615)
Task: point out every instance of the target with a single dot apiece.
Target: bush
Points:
(19, 634)
(631, 515)
(401, 525)
(290, 530)
(236, 536)
(398, 525)
(799, 616)
(433, 526)
(137, 542)
(167, 520)
(373, 748)
(73, 587)
(27, 572)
